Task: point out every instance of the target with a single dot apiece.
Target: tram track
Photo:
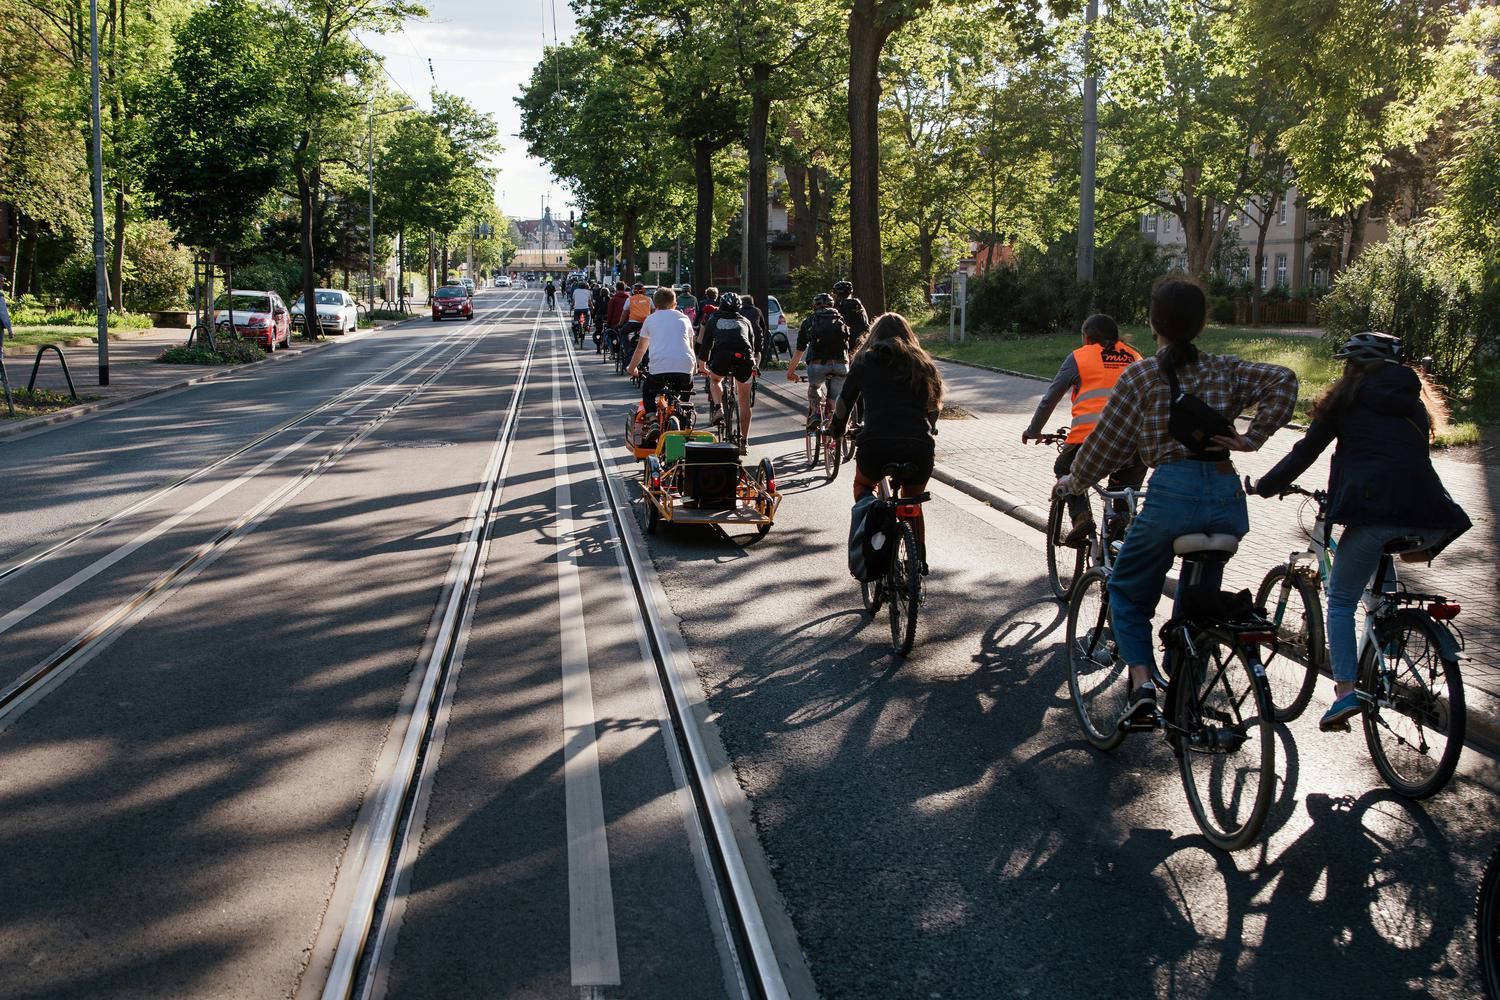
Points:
(44, 676)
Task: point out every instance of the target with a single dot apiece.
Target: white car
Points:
(781, 334)
(337, 311)
(503, 281)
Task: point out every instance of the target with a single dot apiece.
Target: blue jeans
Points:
(1181, 499)
(1358, 557)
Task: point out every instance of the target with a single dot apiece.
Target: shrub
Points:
(270, 272)
(1037, 293)
(226, 351)
(158, 272)
(1125, 268)
(1443, 301)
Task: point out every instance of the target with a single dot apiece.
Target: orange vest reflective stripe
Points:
(1098, 371)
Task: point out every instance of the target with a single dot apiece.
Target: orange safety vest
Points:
(1098, 371)
(637, 308)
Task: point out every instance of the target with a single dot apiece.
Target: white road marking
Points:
(591, 908)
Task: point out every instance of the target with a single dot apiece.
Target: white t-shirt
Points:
(582, 297)
(671, 337)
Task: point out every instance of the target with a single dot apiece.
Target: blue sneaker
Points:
(1336, 719)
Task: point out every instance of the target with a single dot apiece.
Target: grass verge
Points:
(35, 404)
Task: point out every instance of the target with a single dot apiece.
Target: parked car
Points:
(781, 333)
(259, 316)
(468, 284)
(452, 301)
(337, 311)
(502, 281)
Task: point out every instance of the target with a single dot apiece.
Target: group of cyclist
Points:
(1175, 411)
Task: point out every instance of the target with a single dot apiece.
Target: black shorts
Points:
(654, 383)
(873, 456)
(734, 364)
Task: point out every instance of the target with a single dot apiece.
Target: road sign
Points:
(658, 260)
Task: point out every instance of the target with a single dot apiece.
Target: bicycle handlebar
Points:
(1056, 437)
(1320, 496)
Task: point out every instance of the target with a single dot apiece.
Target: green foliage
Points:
(271, 272)
(1441, 299)
(1038, 293)
(226, 351)
(158, 272)
(1125, 269)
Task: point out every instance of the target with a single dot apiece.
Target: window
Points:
(1281, 211)
(1265, 273)
(1151, 223)
(1281, 269)
(1166, 223)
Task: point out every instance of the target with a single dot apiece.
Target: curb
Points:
(1483, 732)
(991, 368)
(33, 424)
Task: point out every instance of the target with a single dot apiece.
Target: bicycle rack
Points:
(36, 365)
(10, 405)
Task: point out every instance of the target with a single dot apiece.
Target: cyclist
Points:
(601, 310)
(637, 308)
(1090, 373)
(853, 312)
(615, 312)
(669, 336)
(707, 306)
(751, 312)
(731, 354)
(551, 291)
(903, 394)
(1178, 391)
(687, 302)
(824, 339)
(1381, 486)
(583, 300)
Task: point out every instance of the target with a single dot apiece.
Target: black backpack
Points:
(729, 333)
(830, 337)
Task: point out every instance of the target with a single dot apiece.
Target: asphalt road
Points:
(176, 815)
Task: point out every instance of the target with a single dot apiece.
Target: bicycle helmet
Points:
(729, 302)
(1372, 348)
(843, 288)
(822, 300)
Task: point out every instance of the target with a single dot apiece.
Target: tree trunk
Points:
(818, 208)
(206, 317)
(117, 254)
(627, 243)
(444, 280)
(703, 231)
(926, 236)
(401, 268)
(305, 183)
(804, 224)
(1356, 241)
(866, 38)
(431, 265)
(33, 239)
(1259, 263)
(757, 269)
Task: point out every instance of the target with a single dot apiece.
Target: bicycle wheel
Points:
(831, 456)
(1064, 564)
(1294, 607)
(730, 417)
(811, 439)
(1487, 926)
(873, 594)
(856, 420)
(1223, 735)
(1097, 678)
(903, 589)
(1415, 728)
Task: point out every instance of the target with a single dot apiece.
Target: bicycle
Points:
(899, 588)
(817, 441)
(1217, 715)
(1410, 686)
(1487, 926)
(1059, 575)
(577, 331)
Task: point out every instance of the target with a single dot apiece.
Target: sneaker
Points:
(1140, 709)
(812, 424)
(1336, 719)
(1078, 536)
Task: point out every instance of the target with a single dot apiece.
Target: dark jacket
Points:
(893, 408)
(1380, 473)
(824, 336)
(757, 319)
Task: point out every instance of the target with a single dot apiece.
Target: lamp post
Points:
(1089, 165)
(373, 115)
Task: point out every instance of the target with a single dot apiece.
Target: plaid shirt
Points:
(1135, 421)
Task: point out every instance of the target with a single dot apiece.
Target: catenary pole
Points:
(101, 298)
(1090, 155)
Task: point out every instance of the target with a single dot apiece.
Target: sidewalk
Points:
(983, 455)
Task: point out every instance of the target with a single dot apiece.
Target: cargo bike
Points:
(689, 476)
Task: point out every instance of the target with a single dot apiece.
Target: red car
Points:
(258, 316)
(452, 300)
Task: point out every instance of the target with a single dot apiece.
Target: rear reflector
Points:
(1444, 611)
(771, 485)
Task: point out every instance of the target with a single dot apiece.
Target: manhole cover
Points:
(417, 444)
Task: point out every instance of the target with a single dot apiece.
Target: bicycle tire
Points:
(872, 592)
(811, 440)
(903, 590)
(1227, 744)
(1098, 680)
(730, 416)
(1062, 569)
(1292, 666)
(831, 455)
(1398, 730)
(1487, 926)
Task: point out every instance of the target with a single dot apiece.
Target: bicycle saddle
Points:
(899, 471)
(1200, 544)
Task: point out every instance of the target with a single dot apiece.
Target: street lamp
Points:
(373, 115)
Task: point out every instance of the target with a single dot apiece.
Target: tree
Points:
(417, 165)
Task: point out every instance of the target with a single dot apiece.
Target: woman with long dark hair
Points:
(1382, 487)
(903, 395)
(1194, 486)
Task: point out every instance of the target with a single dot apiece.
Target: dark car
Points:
(452, 301)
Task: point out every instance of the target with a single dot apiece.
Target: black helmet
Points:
(822, 300)
(843, 288)
(729, 302)
(1372, 348)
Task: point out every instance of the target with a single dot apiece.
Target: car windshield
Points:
(451, 292)
(330, 298)
(249, 303)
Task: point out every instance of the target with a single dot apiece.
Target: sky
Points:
(483, 50)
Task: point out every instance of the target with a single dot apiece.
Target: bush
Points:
(1038, 293)
(226, 351)
(1443, 301)
(158, 272)
(374, 314)
(270, 272)
(1221, 309)
(1125, 268)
